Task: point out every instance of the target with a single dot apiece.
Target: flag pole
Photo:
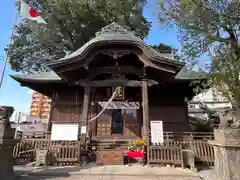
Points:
(7, 52)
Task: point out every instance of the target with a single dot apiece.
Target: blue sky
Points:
(19, 97)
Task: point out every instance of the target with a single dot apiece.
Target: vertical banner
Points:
(157, 132)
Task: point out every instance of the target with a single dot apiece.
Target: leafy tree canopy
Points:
(163, 47)
(70, 24)
(166, 49)
(209, 27)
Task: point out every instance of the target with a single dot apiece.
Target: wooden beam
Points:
(115, 82)
(145, 109)
(113, 69)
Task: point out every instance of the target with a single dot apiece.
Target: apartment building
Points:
(40, 106)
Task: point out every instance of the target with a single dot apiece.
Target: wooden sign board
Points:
(64, 132)
(83, 129)
(120, 92)
(157, 132)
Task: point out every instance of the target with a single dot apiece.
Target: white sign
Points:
(64, 132)
(157, 132)
(83, 129)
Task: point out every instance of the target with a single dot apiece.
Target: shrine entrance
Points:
(117, 122)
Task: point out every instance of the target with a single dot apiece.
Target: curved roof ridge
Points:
(114, 33)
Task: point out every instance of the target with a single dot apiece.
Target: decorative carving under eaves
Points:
(115, 82)
(116, 54)
(117, 75)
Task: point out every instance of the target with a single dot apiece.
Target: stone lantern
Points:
(7, 142)
(227, 148)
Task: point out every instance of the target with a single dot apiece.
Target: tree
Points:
(163, 48)
(210, 27)
(70, 24)
(204, 125)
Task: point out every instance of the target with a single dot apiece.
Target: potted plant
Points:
(136, 151)
(136, 145)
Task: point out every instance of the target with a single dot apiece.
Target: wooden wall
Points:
(174, 117)
(67, 105)
(166, 103)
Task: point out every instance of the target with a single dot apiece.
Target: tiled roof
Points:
(184, 73)
(51, 76)
(114, 33)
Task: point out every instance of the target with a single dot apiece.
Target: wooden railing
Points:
(58, 151)
(204, 152)
(186, 135)
(165, 154)
(64, 151)
(36, 135)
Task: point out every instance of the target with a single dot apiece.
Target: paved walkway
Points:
(92, 172)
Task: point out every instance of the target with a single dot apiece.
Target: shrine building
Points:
(147, 86)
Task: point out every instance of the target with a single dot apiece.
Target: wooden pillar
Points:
(145, 110)
(94, 111)
(52, 104)
(85, 112)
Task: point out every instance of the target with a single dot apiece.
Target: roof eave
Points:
(83, 54)
(28, 80)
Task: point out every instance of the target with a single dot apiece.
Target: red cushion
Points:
(131, 154)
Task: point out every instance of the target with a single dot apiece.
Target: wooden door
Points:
(117, 128)
(132, 123)
(104, 124)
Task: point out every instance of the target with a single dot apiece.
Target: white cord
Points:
(110, 100)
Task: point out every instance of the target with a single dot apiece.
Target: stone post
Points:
(7, 143)
(227, 152)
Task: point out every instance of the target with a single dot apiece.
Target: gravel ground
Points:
(91, 172)
(107, 177)
(207, 174)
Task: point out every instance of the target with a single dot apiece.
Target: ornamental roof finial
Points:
(114, 27)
